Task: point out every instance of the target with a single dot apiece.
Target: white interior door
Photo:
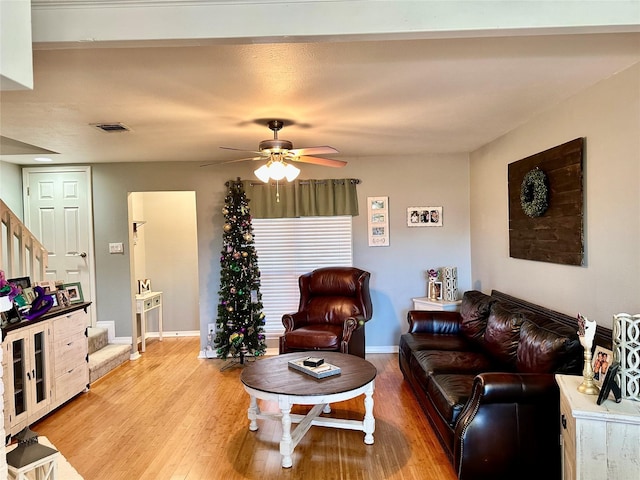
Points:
(57, 204)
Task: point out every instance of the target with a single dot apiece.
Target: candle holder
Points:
(588, 386)
(586, 332)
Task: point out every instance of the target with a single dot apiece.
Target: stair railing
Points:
(21, 254)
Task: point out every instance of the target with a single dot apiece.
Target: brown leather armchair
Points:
(334, 306)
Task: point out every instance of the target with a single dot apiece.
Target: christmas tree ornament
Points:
(227, 227)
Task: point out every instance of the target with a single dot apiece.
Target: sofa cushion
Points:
(443, 361)
(502, 334)
(474, 312)
(541, 350)
(413, 342)
(449, 393)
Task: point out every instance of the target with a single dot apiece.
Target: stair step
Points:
(98, 338)
(106, 359)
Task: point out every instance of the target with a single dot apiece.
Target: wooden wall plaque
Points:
(557, 235)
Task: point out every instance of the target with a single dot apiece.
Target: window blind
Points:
(290, 247)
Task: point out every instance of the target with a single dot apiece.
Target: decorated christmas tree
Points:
(240, 323)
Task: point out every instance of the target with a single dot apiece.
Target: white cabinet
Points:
(27, 376)
(144, 304)
(423, 303)
(598, 441)
(45, 364)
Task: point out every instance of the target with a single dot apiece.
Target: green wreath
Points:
(534, 193)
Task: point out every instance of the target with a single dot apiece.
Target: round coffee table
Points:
(272, 379)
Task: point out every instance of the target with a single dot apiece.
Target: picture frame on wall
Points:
(378, 221)
(424, 216)
(75, 292)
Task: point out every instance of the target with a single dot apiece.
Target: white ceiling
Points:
(362, 97)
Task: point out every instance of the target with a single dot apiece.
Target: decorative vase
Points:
(450, 283)
(626, 351)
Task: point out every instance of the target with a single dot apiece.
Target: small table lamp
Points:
(30, 456)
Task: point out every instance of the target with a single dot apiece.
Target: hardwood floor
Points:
(170, 415)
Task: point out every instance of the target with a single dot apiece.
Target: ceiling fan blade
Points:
(322, 150)
(232, 161)
(241, 150)
(327, 162)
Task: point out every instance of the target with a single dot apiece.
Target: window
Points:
(289, 247)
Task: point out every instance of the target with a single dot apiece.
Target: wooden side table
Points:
(598, 441)
(144, 304)
(423, 303)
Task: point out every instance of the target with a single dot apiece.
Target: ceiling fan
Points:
(277, 151)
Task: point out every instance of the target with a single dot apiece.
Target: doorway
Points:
(164, 251)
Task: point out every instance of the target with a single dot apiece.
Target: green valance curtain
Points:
(302, 198)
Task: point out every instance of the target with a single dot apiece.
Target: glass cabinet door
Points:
(19, 374)
(38, 366)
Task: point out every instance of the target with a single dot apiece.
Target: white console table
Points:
(423, 303)
(598, 441)
(144, 304)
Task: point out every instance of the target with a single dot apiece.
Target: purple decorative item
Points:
(41, 305)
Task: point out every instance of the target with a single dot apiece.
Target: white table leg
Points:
(369, 423)
(252, 413)
(143, 331)
(160, 320)
(286, 446)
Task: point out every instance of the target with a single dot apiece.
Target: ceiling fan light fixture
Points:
(277, 170)
(262, 173)
(291, 172)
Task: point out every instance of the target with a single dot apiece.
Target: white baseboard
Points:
(186, 333)
(275, 351)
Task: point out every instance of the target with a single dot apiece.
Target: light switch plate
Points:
(116, 248)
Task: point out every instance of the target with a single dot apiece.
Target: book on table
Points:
(322, 370)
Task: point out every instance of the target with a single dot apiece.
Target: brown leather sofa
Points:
(484, 378)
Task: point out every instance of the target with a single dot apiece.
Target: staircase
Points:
(104, 356)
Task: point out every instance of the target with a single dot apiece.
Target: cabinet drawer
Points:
(68, 353)
(156, 300)
(71, 382)
(70, 324)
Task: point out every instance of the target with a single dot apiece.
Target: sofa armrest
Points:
(510, 423)
(433, 321)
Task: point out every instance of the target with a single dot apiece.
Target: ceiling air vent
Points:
(111, 127)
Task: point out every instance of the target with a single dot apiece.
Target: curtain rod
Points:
(355, 181)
